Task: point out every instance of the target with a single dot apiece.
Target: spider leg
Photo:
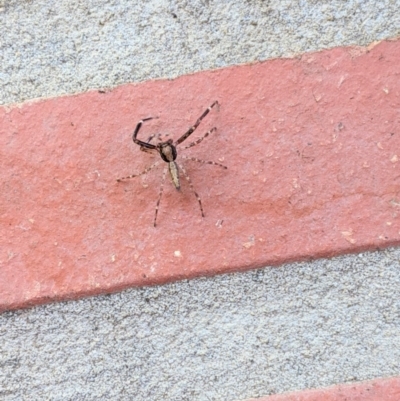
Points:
(196, 124)
(159, 195)
(192, 188)
(149, 139)
(152, 136)
(143, 172)
(146, 150)
(134, 135)
(200, 139)
(195, 159)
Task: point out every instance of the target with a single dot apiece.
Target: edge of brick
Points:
(387, 389)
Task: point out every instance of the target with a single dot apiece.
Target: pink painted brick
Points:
(312, 146)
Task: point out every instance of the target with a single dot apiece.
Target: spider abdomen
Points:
(174, 173)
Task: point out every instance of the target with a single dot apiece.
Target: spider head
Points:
(167, 150)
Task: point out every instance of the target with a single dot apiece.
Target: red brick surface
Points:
(312, 147)
(376, 390)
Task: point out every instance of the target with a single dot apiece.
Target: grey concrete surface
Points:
(225, 338)
(49, 48)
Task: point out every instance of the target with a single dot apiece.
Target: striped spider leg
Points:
(167, 150)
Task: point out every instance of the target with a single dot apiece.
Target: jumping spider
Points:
(168, 152)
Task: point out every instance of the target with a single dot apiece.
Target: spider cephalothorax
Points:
(168, 152)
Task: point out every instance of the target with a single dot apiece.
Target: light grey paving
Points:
(48, 48)
(230, 337)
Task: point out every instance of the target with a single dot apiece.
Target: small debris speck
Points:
(250, 243)
(219, 223)
(348, 236)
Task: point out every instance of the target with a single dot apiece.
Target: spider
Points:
(168, 153)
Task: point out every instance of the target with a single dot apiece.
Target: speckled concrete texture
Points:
(230, 337)
(48, 48)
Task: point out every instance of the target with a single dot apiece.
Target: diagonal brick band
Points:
(374, 390)
(312, 147)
